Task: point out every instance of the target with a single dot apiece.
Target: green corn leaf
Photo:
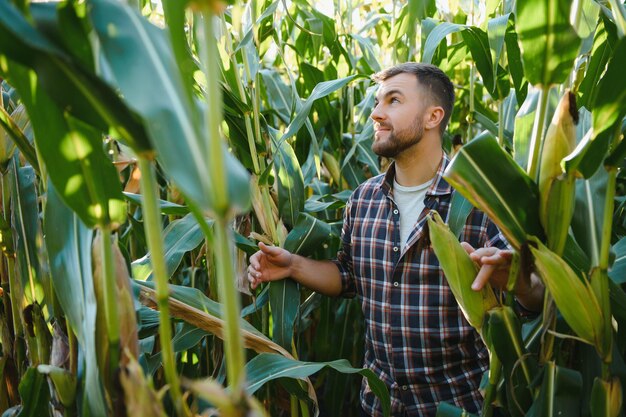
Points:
(12, 136)
(306, 237)
(549, 43)
(75, 160)
(142, 61)
(460, 208)
(489, 178)
(179, 237)
(73, 88)
(504, 335)
(560, 393)
(584, 17)
(68, 242)
(64, 383)
(321, 90)
(449, 410)
(609, 108)
(266, 367)
(25, 220)
(588, 214)
(514, 59)
(289, 180)
(600, 55)
(34, 393)
(167, 207)
(496, 32)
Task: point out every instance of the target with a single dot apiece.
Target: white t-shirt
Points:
(410, 201)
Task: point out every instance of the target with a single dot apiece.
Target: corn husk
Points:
(460, 272)
(573, 296)
(557, 191)
(606, 397)
(126, 310)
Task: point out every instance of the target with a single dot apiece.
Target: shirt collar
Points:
(439, 185)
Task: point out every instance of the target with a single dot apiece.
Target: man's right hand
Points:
(271, 263)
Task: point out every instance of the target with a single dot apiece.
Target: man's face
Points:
(398, 113)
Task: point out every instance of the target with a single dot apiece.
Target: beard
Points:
(397, 142)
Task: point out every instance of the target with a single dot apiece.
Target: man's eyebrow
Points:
(389, 93)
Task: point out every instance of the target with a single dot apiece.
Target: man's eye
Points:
(394, 100)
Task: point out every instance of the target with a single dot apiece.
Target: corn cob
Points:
(606, 398)
(460, 272)
(556, 188)
(573, 296)
(128, 322)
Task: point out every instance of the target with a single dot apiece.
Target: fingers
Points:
(468, 248)
(491, 256)
(253, 276)
(269, 250)
(483, 277)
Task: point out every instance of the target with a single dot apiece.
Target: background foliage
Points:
(146, 147)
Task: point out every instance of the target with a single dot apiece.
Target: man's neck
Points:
(418, 164)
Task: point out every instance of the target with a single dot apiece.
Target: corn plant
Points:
(146, 147)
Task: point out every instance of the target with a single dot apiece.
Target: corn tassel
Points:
(460, 272)
(557, 190)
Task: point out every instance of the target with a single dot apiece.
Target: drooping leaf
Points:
(549, 43)
(307, 236)
(143, 64)
(321, 90)
(435, 37)
(75, 160)
(514, 59)
(585, 17)
(496, 32)
(489, 178)
(267, 367)
(179, 237)
(83, 94)
(167, 207)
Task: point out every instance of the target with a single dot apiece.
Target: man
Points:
(417, 339)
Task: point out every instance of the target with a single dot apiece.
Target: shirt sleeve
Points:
(344, 257)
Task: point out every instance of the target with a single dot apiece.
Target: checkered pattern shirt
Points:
(417, 339)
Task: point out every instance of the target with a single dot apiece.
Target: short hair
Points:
(436, 82)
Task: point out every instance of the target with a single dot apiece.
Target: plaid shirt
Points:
(417, 340)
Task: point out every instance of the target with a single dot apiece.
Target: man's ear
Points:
(433, 117)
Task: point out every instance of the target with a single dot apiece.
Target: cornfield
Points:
(147, 147)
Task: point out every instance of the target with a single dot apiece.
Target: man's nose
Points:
(377, 113)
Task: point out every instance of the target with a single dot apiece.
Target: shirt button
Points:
(395, 249)
(395, 284)
(395, 211)
(405, 388)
